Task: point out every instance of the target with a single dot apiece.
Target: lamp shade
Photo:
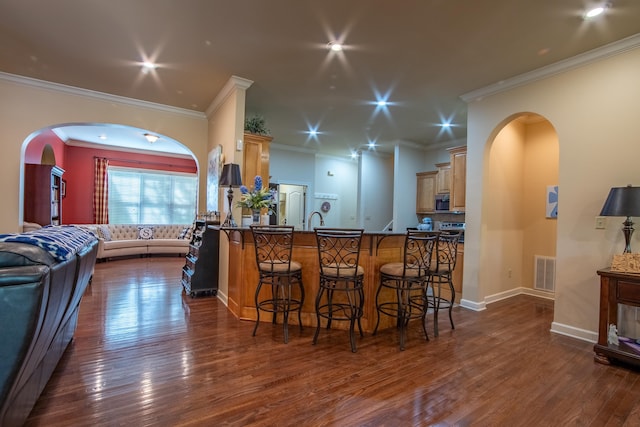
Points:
(231, 175)
(622, 201)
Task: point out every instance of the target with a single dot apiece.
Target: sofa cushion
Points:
(145, 232)
(104, 232)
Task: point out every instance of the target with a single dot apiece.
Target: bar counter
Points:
(377, 248)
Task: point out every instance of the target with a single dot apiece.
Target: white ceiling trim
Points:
(57, 87)
(616, 48)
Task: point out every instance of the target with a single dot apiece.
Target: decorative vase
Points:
(256, 216)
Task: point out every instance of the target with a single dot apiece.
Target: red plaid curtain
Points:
(101, 192)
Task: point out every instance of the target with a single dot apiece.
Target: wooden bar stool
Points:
(274, 245)
(340, 293)
(408, 280)
(442, 275)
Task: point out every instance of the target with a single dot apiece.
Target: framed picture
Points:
(214, 169)
(63, 188)
(552, 201)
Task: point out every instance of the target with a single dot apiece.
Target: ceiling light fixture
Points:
(335, 46)
(596, 11)
(151, 138)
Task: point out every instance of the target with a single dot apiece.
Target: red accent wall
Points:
(33, 152)
(78, 205)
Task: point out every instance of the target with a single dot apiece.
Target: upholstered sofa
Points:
(43, 275)
(115, 240)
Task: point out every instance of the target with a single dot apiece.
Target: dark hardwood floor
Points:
(146, 354)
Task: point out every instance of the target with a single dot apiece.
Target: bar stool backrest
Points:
(447, 252)
(418, 252)
(339, 251)
(273, 244)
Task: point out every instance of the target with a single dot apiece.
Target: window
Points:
(138, 196)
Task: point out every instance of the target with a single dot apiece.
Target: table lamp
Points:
(231, 177)
(623, 201)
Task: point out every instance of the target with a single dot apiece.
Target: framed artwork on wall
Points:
(552, 201)
(214, 169)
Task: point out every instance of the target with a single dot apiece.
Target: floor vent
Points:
(544, 277)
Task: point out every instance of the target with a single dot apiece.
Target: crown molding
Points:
(234, 83)
(102, 96)
(612, 49)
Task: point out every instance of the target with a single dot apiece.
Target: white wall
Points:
(343, 183)
(594, 110)
(376, 190)
(408, 162)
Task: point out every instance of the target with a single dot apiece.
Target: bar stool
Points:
(273, 245)
(340, 293)
(441, 275)
(408, 280)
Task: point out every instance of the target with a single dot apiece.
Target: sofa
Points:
(116, 240)
(43, 275)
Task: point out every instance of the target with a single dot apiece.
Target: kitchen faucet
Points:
(311, 217)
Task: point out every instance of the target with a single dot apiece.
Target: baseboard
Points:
(571, 331)
(223, 297)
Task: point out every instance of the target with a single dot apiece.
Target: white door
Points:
(294, 207)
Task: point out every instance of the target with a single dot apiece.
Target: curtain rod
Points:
(139, 162)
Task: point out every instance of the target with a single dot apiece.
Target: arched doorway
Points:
(523, 161)
(73, 147)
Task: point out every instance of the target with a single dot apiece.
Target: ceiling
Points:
(419, 55)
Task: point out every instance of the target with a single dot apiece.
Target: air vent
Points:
(544, 277)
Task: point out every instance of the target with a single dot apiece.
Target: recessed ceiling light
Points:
(149, 65)
(335, 46)
(102, 136)
(381, 103)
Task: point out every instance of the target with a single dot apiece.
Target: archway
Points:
(523, 160)
(73, 146)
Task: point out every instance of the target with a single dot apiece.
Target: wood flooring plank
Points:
(145, 354)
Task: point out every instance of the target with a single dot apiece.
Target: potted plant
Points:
(256, 125)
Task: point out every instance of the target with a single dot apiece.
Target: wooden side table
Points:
(616, 288)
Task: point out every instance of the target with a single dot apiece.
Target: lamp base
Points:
(628, 232)
(229, 221)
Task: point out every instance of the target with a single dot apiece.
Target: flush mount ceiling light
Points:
(335, 46)
(596, 11)
(151, 138)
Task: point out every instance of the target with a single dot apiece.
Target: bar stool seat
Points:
(407, 281)
(273, 246)
(340, 291)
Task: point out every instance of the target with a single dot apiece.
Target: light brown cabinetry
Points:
(426, 191)
(255, 158)
(443, 181)
(458, 178)
(43, 192)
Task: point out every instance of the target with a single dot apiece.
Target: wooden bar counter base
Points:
(377, 249)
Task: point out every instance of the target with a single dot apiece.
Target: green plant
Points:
(256, 124)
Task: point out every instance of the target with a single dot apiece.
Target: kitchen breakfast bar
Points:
(377, 248)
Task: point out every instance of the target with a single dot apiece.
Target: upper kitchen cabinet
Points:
(458, 178)
(426, 191)
(255, 158)
(443, 179)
